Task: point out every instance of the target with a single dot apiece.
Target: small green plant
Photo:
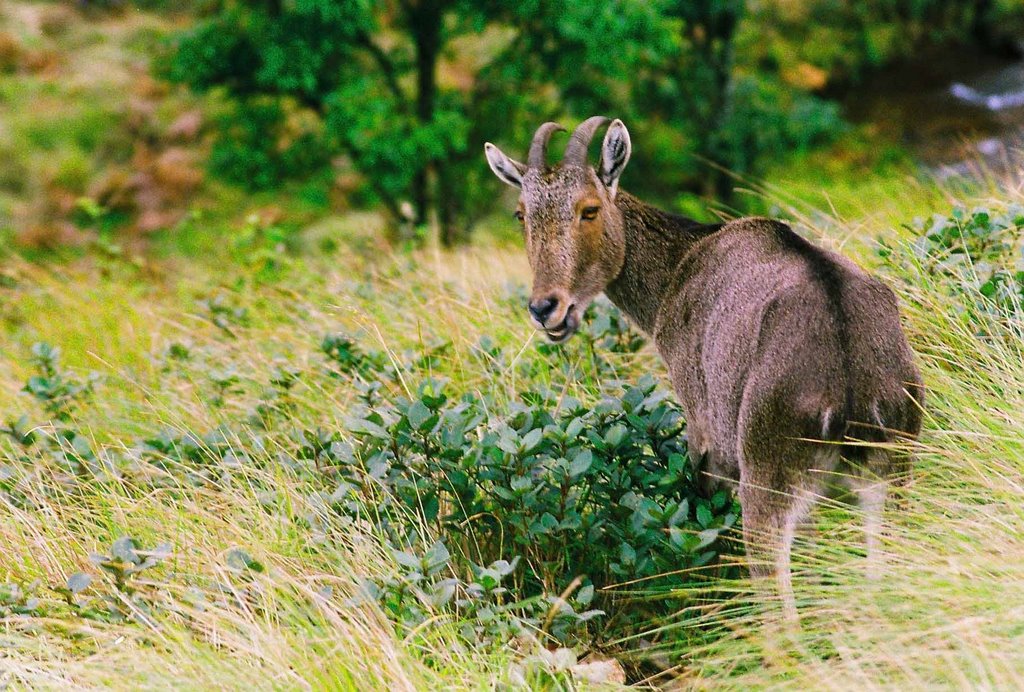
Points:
(225, 382)
(277, 399)
(74, 453)
(56, 389)
(19, 600)
(104, 222)
(76, 584)
(243, 588)
(127, 560)
(178, 351)
(20, 431)
(224, 313)
(132, 599)
(241, 562)
(349, 358)
(264, 248)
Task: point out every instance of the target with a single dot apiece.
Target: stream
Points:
(957, 113)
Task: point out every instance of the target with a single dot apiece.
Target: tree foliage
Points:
(406, 91)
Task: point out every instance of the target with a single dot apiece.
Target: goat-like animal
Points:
(788, 359)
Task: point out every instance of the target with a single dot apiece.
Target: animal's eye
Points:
(589, 213)
(519, 216)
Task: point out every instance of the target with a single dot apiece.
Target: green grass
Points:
(946, 614)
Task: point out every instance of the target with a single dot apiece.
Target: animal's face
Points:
(573, 230)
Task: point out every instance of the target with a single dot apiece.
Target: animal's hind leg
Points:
(871, 494)
(872, 502)
(770, 521)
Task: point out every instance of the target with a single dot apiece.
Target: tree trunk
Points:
(447, 207)
(987, 35)
(981, 27)
(715, 44)
(424, 20)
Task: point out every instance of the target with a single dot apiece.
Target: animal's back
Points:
(770, 339)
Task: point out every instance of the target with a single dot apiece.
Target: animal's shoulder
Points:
(745, 245)
(770, 236)
(774, 240)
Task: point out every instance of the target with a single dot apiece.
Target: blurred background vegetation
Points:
(123, 123)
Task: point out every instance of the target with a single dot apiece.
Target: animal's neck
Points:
(656, 242)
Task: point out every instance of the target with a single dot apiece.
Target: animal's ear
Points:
(508, 170)
(614, 155)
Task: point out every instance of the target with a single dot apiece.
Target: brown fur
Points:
(786, 357)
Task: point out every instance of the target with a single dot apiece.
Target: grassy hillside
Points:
(177, 409)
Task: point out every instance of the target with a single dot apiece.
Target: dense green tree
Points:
(709, 29)
(370, 73)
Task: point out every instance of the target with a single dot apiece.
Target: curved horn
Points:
(539, 146)
(576, 149)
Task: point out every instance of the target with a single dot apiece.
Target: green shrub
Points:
(247, 156)
(767, 121)
(982, 251)
(600, 492)
(581, 496)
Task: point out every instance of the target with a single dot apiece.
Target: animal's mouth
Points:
(564, 329)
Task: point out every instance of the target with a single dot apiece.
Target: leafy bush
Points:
(982, 250)
(580, 496)
(602, 492)
(767, 121)
(246, 156)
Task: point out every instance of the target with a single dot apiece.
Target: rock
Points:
(595, 668)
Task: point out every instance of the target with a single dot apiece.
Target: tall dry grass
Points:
(947, 613)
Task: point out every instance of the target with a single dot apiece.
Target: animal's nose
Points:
(542, 309)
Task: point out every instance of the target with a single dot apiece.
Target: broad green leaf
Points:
(581, 464)
(704, 516)
(239, 559)
(419, 416)
(123, 549)
(531, 440)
